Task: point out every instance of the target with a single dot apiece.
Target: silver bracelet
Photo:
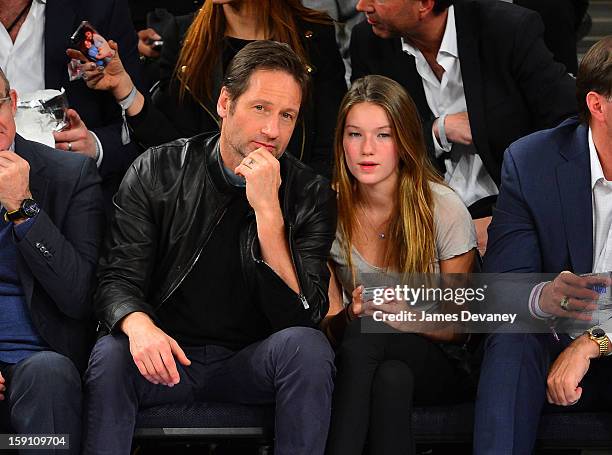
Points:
(442, 132)
(127, 102)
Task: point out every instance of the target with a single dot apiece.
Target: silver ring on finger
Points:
(564, 303)
(70, 146)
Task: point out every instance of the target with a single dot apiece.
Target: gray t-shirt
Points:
(455, 235)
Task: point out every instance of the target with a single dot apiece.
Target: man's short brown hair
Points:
(264, 55)
(594, 75)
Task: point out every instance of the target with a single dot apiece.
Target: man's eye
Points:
(287, 116)
(259, 107)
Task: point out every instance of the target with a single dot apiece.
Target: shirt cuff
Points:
(534, 302)
(438, 149)
(99, 149)
(21, 229)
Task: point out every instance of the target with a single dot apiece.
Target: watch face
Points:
(29, 207)
(598, 332)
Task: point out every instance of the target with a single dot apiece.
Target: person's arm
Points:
(67, 272)
(152, 121)
(125, 268)
(61, 259)
(292, 272)
(125, 274)
(100, 116)
(568, 369)
(338, 316)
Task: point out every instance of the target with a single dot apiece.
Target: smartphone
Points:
(156, 45)
(91, 44)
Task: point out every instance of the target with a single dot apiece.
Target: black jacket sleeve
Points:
(125, 266)
(310, 241)
(62, 257)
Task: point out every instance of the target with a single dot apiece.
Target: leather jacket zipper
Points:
(193, 263)
(301, 296)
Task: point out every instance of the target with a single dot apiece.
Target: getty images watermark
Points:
(469, 303)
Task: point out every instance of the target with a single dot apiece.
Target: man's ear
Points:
(13, 95)
(426, 8)
(594, 102)
(223, 103)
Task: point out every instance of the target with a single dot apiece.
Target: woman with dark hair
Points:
(395, 218)
(197, 49)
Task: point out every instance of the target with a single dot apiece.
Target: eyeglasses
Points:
(4, 100)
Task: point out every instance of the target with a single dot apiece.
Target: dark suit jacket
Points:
(98, 109)
(512, 85)
(542, 223)
(58, 284)
(166, 119)
(543, 219)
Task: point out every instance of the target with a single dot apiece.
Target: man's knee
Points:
(44, 373)
(516, 352)
(305, 346)
(110, 357)
(42, 388)
(512, 345)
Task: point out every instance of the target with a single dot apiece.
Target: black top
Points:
(213, 304)
(231, 47)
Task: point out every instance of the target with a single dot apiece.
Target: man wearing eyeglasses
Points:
(51, 221)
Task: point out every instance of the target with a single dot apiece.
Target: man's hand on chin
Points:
(261, 171)
(568, 370)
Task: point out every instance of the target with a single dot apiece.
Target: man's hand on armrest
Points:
(153, 350)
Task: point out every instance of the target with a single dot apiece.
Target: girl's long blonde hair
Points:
(411, 246)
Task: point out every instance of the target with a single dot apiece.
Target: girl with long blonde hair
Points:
(395, 216)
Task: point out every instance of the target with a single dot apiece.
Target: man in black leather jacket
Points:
(214, 277)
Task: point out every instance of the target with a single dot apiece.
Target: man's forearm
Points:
(275, 247)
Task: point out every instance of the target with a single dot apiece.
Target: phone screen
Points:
(91, 44)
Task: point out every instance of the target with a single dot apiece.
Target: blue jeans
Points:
(43, 396)
(292, 369)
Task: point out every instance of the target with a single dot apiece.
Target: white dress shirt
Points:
(465, 172)
(601, 190)
(23, 62)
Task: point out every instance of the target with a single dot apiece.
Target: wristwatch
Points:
(599, 336)
(29, 209)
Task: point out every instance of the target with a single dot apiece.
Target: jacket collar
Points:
(214, 167)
